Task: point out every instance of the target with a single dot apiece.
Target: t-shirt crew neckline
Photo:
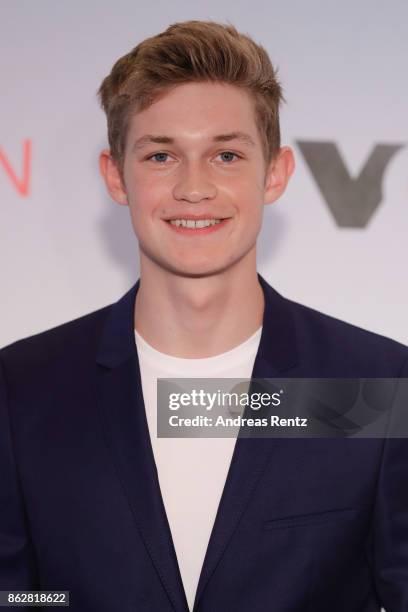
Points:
(236, 354)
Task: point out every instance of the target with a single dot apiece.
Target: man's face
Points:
(209, 165)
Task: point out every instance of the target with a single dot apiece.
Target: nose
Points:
(193, 184)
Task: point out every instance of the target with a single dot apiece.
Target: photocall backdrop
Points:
(336, 241)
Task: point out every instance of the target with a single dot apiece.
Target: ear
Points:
(112, 177)
(278, 174)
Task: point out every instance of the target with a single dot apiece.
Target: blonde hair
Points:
(191, 51)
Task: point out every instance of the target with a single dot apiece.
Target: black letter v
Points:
(352, 202)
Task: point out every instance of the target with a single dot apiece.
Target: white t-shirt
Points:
(191, 471)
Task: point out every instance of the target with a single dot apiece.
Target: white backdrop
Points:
(66, 249)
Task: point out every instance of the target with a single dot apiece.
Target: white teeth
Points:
(190, 223)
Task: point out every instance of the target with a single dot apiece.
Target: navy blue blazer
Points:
(317, 525)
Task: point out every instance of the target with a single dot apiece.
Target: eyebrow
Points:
(150, 138)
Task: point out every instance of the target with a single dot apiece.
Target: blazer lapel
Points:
(121, 405)
(277, 354)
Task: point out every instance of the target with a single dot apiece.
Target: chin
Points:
(200, 271)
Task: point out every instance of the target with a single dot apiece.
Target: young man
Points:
(92, 501)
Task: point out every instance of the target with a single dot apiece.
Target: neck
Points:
(198, 317)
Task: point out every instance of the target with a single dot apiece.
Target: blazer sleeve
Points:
(389, 532)
(17, 556)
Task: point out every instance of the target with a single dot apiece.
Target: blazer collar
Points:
(118, 340)
(277, 350)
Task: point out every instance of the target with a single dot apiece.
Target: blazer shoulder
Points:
(337, 340)
(78, 336)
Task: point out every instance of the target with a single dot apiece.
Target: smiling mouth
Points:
(196, 223)
(197, 226)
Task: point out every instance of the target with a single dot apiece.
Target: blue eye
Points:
(156, 154)
(229, 153)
